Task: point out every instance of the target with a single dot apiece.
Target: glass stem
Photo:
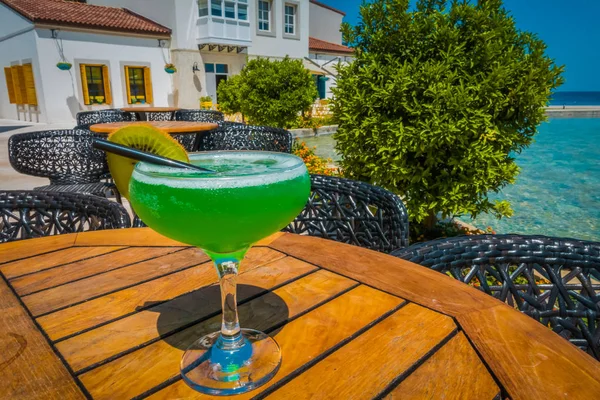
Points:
(231, 336)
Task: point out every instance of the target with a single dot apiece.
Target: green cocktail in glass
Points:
(250, 196)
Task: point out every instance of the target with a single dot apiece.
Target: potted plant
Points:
(170, 68)
(64, 66)
(206, 103)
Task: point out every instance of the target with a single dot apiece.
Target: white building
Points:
(119, 48)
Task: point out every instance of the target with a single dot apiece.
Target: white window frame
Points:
(207, 6)
(261, 19)
(290, 24)
(270, 18)
(296, 21)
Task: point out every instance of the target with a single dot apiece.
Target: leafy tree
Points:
(228, 92)
(269, 92)
(438, 100)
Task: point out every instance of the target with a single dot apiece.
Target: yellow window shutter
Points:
(9, 85)
(30, 84)
(22, 86)
(127, 85)
(106, 79)
(84, 87)
(148, 85)
(16, 84)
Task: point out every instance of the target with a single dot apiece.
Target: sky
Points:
(570, 29)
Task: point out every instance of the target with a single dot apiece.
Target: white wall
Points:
(178, 15)
(63, 91)
(20, 49)
(11, 22)
(325, 24)
(278, 46)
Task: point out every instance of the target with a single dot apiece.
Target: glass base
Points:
(208, 366)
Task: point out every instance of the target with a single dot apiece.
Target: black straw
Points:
(143, 156)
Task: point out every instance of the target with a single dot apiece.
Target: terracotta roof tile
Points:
(328, 7)
(328, 47)
(68, 13)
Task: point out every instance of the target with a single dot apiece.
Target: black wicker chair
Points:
(199, 116)
(85, 119)
(556, 281)
(66, 157)
(246, 137)
(353, 212)
(31, 214)
(160, 116)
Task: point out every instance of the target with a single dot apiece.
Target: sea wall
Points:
(573, 112)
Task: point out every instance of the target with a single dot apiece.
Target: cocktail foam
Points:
(235, 169)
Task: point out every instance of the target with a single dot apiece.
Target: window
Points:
(139, 85)
(224, 8)
(242, 10)
(290, 19)
(95, 84)
(203, 8)
(216, 8)
(20, 84)
(222, 69)
(229, 9)
(218, 68)
(264, 15)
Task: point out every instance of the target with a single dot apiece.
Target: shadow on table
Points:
(195, 314)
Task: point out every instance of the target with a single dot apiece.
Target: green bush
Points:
(229, 95)
(269, 92)
(438, 101)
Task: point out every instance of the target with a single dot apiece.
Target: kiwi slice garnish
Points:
(145, 138)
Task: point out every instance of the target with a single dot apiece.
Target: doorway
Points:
(215, 73)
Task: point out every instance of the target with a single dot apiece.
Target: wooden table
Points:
(141, 112)
(108, 314)
(167, 126)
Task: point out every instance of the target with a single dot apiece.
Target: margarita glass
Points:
(249, 196)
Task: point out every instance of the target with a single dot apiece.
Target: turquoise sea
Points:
(558, 190)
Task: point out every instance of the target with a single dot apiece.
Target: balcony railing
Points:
(226, 31)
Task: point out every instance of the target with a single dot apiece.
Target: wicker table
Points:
(141, 112)
(107, 315)
(173, 127)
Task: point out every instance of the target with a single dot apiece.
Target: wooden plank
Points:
(453, 372)
(153, 365)
(106, 308)
(369, 363)
(87, 267)
(60, 257)
(81, 290)
(124, 237)
(99, 344)
(167, 126)
(270, 239)
(529, 360)
(399, 277)
(28, 366)
(30, 247)
(136, 237)
(302, 341)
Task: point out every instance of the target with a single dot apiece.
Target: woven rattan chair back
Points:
(556, 281)
(63, 156)
(31, 214)
(199, 116)
(353, 212)
(246, 137)
(85, 119)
